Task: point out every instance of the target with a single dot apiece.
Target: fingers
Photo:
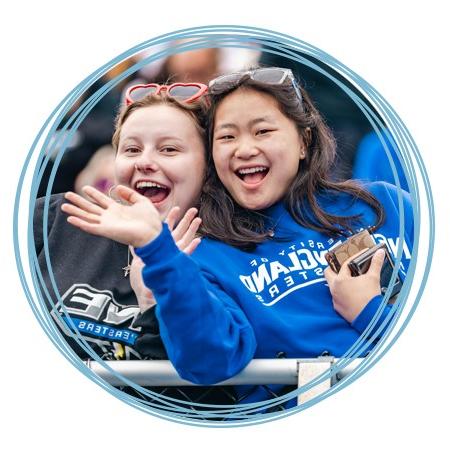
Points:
(345, 270)
(82, 203)
(101, 199)
(329, 275)
(81, 214)
(190, 234)
(184, 224)
(192, 246)
(129, 195)
(137, 263)
(172, 217)
(91, 228)
(377, 262)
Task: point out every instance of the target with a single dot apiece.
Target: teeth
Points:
(149, 184)
(252, 170)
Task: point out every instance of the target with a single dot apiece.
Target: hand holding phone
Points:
(351, 294)
(360, 263)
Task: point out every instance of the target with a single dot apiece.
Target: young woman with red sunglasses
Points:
(160, 153)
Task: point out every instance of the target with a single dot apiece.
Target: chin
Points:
(255, 205)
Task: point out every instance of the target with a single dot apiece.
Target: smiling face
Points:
(161, 155)
(256, 148)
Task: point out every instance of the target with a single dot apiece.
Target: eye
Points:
(263, 131)
(132, 150)
(225, 137)
(168, 150)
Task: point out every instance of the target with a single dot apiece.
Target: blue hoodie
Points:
(223, 306)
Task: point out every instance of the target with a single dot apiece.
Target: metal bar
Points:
(308, 371)
(162, 373)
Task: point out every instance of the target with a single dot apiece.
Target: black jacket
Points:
(98, 299)
(90, 283)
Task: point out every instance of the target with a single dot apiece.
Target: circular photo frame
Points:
(372, 144)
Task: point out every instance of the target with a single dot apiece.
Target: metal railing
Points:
(264, 372)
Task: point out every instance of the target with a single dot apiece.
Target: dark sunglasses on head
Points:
(183, 92)
(266, 75)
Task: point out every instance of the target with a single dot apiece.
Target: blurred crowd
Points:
(88, 159)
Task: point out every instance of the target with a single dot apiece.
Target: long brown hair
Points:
(227, 221)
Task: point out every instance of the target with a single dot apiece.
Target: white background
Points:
(48, 49)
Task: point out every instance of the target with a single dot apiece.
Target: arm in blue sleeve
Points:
(206, 334)
(364, 318)
(407, 209)
(388, 195)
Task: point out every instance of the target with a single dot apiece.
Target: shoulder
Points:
(397, 205)
(54, 203)
(211, 253)
(207, 247)
(53, 200)
(52, 221)
(45, 214)
(378, 187)
(388, 194)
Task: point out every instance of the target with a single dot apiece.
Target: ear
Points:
(302, 149)
(304, 145)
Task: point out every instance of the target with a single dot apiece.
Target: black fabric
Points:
(92, 290)
(90, 284)
(149, 343)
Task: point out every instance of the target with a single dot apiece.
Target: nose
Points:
(146, 164)
(146, 167)
(246, 149)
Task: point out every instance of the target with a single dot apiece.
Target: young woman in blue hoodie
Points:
(258, 285)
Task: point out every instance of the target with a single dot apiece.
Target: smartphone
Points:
(354, 244)
(360, 265)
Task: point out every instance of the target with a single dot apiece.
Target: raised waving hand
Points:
(134, 222)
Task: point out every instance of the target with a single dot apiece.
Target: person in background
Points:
(372, 162)
(99, 172)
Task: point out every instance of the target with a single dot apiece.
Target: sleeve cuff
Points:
(364, 318)
(163, 244)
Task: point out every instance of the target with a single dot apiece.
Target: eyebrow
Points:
(251, 123)
(159, 138)
(128, 138)
(169, 138)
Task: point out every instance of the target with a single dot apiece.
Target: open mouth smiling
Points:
(252, 175)
(155, 192)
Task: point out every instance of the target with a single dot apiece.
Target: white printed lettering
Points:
(248, 283)
(273, 290)
(261, 278)
(289, 281)
(295, 262)
(276, 268)
(309, 263)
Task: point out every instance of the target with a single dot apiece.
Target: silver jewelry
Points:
(110, 191)
(127, 268)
